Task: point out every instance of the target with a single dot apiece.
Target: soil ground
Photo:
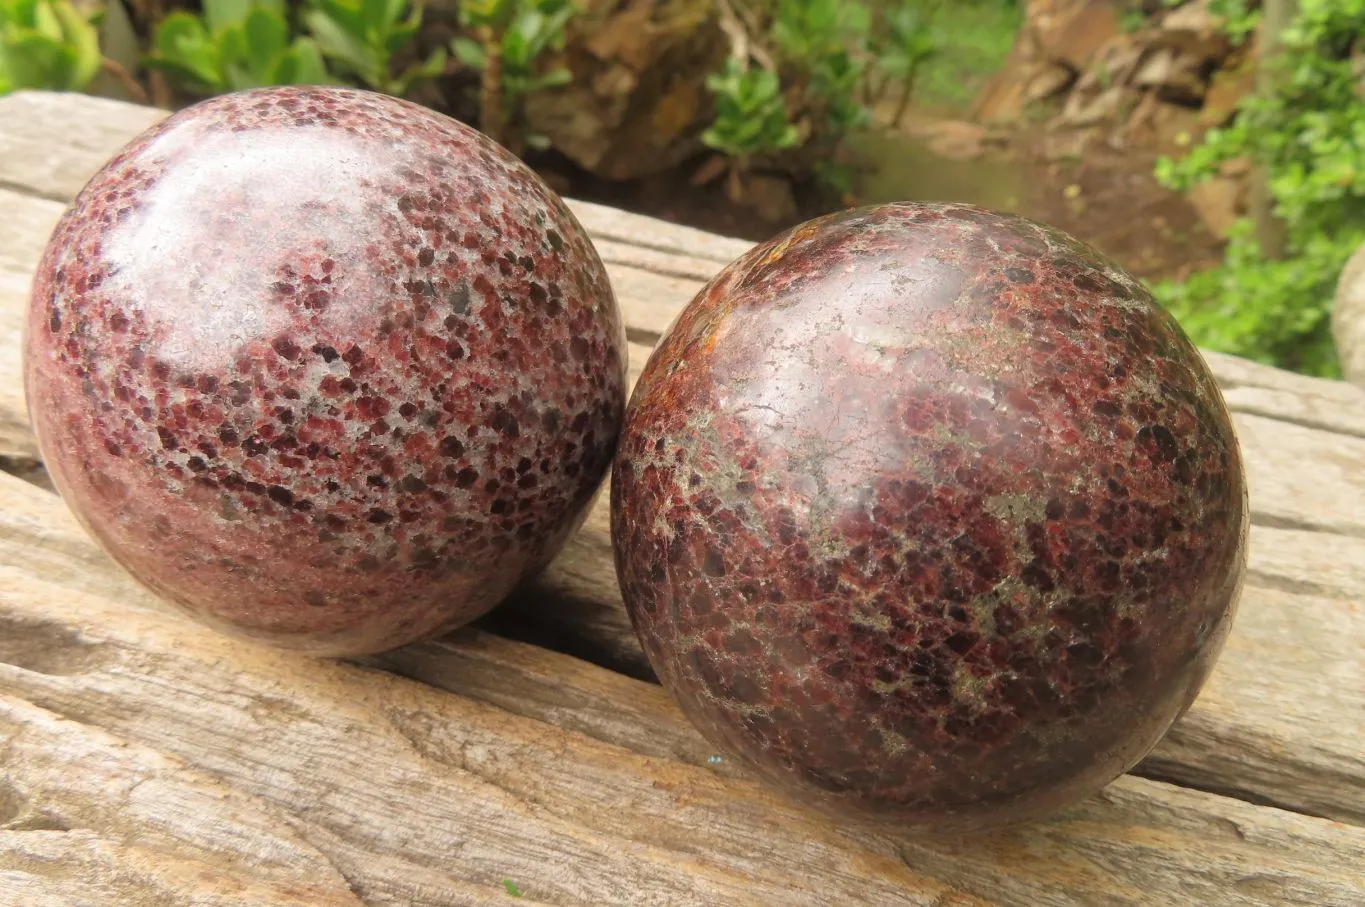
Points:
(1120, 208)
(1107, 197)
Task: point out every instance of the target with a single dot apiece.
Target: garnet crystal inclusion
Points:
(323, 367)
(930, 515)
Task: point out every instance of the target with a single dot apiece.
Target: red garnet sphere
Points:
(323, 367)
(930, 515)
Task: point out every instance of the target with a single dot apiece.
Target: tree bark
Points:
(1276, 15)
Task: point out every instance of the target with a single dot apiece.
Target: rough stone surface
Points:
(638, 101)
(1348, 319)
(324, 368)
(930, 515)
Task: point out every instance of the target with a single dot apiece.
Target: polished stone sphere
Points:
(324, 368)
(930, 516)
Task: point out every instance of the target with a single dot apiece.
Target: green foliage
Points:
(1239, 17)
(822, 46)
(810, 32)
(528, 28)
(515, 35)
(46, 44)
(971, 38)
(806, 97)
(905, 43)
(826, 64)
(236, 44)
(901, 43)
(751, 116)
(361, 38)
(496, 15)
(1309, 139)
(511, 888)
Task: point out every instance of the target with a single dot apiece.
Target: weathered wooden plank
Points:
(1235, 372)
(1311, 563)
(16, 435)
(51, 144)
(1342, 417)
(587, 617)
(674, 263)
(534, 768)
(1280, 720)
(25, 228)
(651, 233)
(415, 795)
(86, 818)
(1303, 478)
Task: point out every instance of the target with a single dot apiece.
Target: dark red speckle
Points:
(304, 395)
(930, 515)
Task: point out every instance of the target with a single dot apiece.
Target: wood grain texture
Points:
(86, 817)
(24, 228)
(1305, 475)
(216, 763)
(237, 775)
(1279, 722)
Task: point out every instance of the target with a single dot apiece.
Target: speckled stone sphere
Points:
(930, 515)
(324, 368)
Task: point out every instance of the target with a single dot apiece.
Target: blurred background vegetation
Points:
(1214, 147)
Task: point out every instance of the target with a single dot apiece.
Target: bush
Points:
(509, 49)
(238, 44)
(47, 45)
(234, 46)
(1309, 139)
(807, 78)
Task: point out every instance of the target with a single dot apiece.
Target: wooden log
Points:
(87, 818)
(1278, 722)
(1302, 438)
(211, 768)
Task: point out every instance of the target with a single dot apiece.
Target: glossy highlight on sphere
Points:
(929, 515)
(323, 367)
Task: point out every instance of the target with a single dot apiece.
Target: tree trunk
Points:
(1276, 15)
(491, 120)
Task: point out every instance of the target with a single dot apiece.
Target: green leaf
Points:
(232, 47)
(184, 51)
(429, 68)
(33, 60)
(267, 37)
(375, 15)
(494, 14)
(346, 14)
(223, 14)
(83, 41)
(342, 46)
(45, 22)
(516, 52)
(179, 29)
(469, 52)
(402, 32)
(555, 78)
(301, 65)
